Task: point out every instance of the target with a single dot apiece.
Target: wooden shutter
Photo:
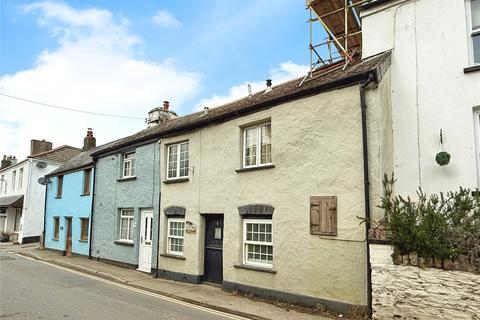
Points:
(323, 215)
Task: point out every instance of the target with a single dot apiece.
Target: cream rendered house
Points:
(266, 194)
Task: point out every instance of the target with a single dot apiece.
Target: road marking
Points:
(148, 293)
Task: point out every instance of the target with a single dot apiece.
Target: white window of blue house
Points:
(126, 225)
(129, 165)
(177, 161)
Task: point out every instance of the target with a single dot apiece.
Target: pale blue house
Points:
(68, 203)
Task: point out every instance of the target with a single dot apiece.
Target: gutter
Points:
(91, 211)
(366, 183)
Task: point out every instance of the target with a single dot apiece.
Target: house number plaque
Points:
(190, 227)
(218, 233)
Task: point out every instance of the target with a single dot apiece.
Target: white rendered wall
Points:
(430, 46)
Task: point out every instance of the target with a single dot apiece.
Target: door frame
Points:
(141, 244)
(68, 230)
(206, 216)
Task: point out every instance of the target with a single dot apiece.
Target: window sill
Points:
(54, 239)
(179, 180)
(254, 268)
(268, 166)
(80, 240)
(168, 255)
(127, 179)
(124, 243)
(471, 69)
(85, 195)
(57, 197)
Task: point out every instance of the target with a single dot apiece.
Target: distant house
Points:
(22, 198)
(69, 203)
(127, 187)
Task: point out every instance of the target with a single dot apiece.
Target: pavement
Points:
(200, 295)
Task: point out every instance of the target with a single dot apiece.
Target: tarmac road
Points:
(31, 289)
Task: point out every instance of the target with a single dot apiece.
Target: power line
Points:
(70, 109)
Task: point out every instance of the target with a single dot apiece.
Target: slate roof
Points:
(329, 78)
(60, 154)
(82, 160)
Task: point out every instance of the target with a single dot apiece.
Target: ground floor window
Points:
(56, 227)
(258, 242)
(176, 233)
(126, 225)
(84, 229)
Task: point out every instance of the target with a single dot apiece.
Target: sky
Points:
(126, 57)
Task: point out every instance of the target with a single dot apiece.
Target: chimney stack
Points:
(160, 115)
(5, 162)
(269, 86)
(89, 141)
(37, 146)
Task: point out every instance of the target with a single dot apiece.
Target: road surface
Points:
(31, 289)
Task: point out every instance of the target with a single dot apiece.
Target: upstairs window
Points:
(59, 186)
(129, 165)
(178, 161)
(475, 30)
(3, 184)
(20, 178)
(257, 145)
(14, 177)
(87, 176)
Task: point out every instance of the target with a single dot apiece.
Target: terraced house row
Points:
(266, 194)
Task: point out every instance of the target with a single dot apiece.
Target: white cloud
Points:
(94, 68)
(165, 19)
(284, 72)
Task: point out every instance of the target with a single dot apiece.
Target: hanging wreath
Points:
(442, 157)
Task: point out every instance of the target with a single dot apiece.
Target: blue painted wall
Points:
(113, 194)
(71, 204)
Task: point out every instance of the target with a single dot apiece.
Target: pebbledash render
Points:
(266, 194)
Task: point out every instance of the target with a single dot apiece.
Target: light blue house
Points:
(68, 203)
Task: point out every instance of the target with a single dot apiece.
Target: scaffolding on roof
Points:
(341, 21)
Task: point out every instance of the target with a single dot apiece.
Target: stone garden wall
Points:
(411, 292)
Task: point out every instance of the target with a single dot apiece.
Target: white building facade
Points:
(435, 81)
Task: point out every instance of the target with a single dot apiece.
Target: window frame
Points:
(472, 32)
(131, 161)
(476, 127)
(56, 228)
(59, 191)
(14, 178)
(178, 168)
(3, 184)
(258, 152)
(247, 242)
(169, 237)
(20, 178)
(129, 218)
(86, 186)
(83, 236)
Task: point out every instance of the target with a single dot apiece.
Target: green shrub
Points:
(441, 226)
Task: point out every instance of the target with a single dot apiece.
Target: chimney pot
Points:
(205, 110)
(166, 105)
(269, 82)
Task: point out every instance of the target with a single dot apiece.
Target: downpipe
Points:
(366, 183)
(92, 208)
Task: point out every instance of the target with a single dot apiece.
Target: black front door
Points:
(213, 248)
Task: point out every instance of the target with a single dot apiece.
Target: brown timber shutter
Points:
(323, 215)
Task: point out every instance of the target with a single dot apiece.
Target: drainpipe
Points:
(45, 215)
(366, 184)
(159, 206)
(94, 169)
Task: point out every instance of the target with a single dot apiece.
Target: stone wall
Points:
(406, 292)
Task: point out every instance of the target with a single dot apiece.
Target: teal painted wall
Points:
(71, 204)
(111, 195)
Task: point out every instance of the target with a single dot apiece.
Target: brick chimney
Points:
(37, 146)
(5, 162)
(159, 115)
(89, 141)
